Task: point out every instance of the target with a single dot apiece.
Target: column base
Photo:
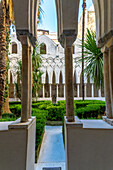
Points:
(88, 145)
(17, 145)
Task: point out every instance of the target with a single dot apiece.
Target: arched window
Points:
(14, 48)
(42, 48)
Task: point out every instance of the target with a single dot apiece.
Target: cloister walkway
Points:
(52, 152)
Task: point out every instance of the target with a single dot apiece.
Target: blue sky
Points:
(49, 19)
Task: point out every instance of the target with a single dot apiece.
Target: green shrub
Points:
(7, 115)
(40, 103)
(91, 111)
(13, 103)
(16, 110)
(80, 103)
(41, 118)
(62, 102)
(55, 113)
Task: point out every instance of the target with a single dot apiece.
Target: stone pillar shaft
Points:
(78, 86)
(43, 91)
(109, 80)
(69, 80)
(92, 90)
(25, 79)
(99, 93)
(64, 91)
(50, 90)
(85, 95)
(57, 89)
(30, 80)
(107, 84)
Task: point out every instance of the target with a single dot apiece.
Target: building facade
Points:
(53, 64)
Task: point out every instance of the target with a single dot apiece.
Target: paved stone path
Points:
(52, 152)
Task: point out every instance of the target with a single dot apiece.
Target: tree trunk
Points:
(2, 52)
(6, 106)
(6, 101)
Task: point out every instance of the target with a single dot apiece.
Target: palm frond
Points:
(93, 59)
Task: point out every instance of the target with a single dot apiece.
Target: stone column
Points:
(78, 92)
(64, 91)
(99, 93)
(14, 92)
(69, 79)
(107, 83)
(85, 90)
(25, 78)
(109, 80)
(30, 80)
(50, 90)
(92, 90)
(43, 91)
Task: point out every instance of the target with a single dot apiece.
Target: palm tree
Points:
(40, 12)
(93, 58)
(6, 15)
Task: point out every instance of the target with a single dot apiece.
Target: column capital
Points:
(104, 49)
(24, 39)
(110, 43)
(25, 33)
(105, 39)
(68, 37)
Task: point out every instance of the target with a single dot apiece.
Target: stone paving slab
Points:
(40, 166)
(52, 153)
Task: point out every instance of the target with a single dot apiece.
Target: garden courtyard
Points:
(50, 138)
(75, 133)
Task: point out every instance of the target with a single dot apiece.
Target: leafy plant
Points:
(40, 12)
(37, 73)
(19, 75)
(93, 58)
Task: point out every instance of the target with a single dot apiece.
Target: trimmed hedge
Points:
(16, 110)
(40, 103)
(41, 118)
(55, 113)
(91, 111)
(80, 103)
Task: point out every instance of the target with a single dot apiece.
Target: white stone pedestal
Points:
(17, 146)
(89, 145)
